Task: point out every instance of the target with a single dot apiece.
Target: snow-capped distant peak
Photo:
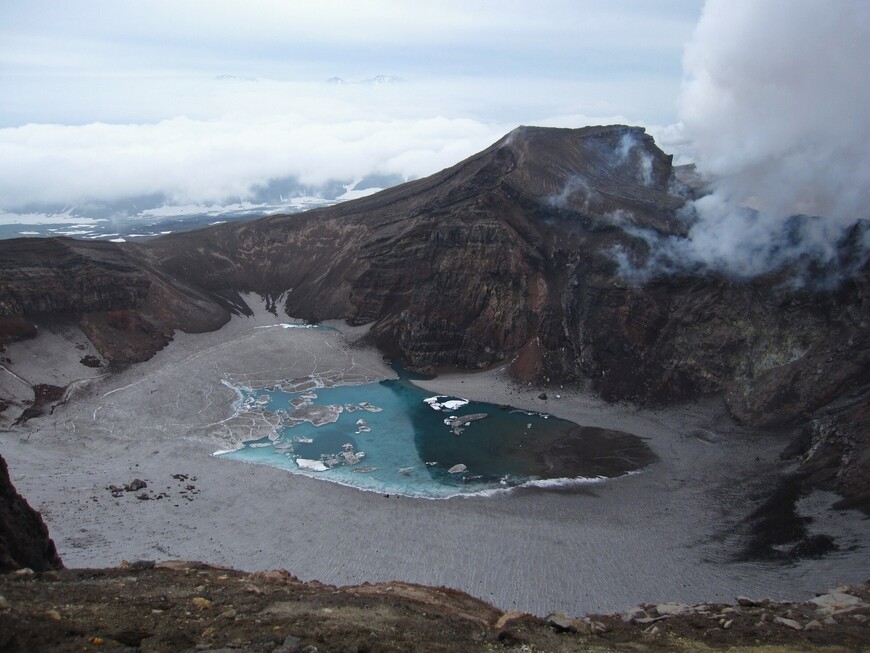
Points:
(235, 78)
(384, 79)
(377, 80)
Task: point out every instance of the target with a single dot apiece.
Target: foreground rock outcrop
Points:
(24, 540)
(510, 256)
(183, 606)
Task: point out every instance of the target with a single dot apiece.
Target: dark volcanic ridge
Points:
(504, 258)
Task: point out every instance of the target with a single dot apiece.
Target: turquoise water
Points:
(391, 437)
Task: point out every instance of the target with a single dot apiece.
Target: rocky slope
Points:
(182, 606)
(507, 257)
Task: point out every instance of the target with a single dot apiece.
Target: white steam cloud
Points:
(776, 106)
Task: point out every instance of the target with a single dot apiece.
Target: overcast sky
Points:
(202, 100)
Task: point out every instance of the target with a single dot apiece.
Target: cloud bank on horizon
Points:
(196, 102)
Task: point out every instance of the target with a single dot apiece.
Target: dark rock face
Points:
(24, 540)
(506, 257)
(833, 448)
(128, 309)
(45, 397)
(59, 276)
(464, 268)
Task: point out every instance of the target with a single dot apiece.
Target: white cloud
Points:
(237, 134)
(260, 26)
(105, 100)
(211, 161)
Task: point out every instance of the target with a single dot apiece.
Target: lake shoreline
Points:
(405, 441)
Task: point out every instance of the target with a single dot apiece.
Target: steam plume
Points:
(776, 104)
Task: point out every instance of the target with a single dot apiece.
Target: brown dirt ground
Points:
(182, 606)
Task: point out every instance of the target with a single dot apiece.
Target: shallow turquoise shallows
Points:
(394, 438)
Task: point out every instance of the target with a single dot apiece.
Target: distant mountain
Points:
(509, 257)
(147, 216)
(235, 78)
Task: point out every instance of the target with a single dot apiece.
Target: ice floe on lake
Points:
(448, 404)
(311, 465)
